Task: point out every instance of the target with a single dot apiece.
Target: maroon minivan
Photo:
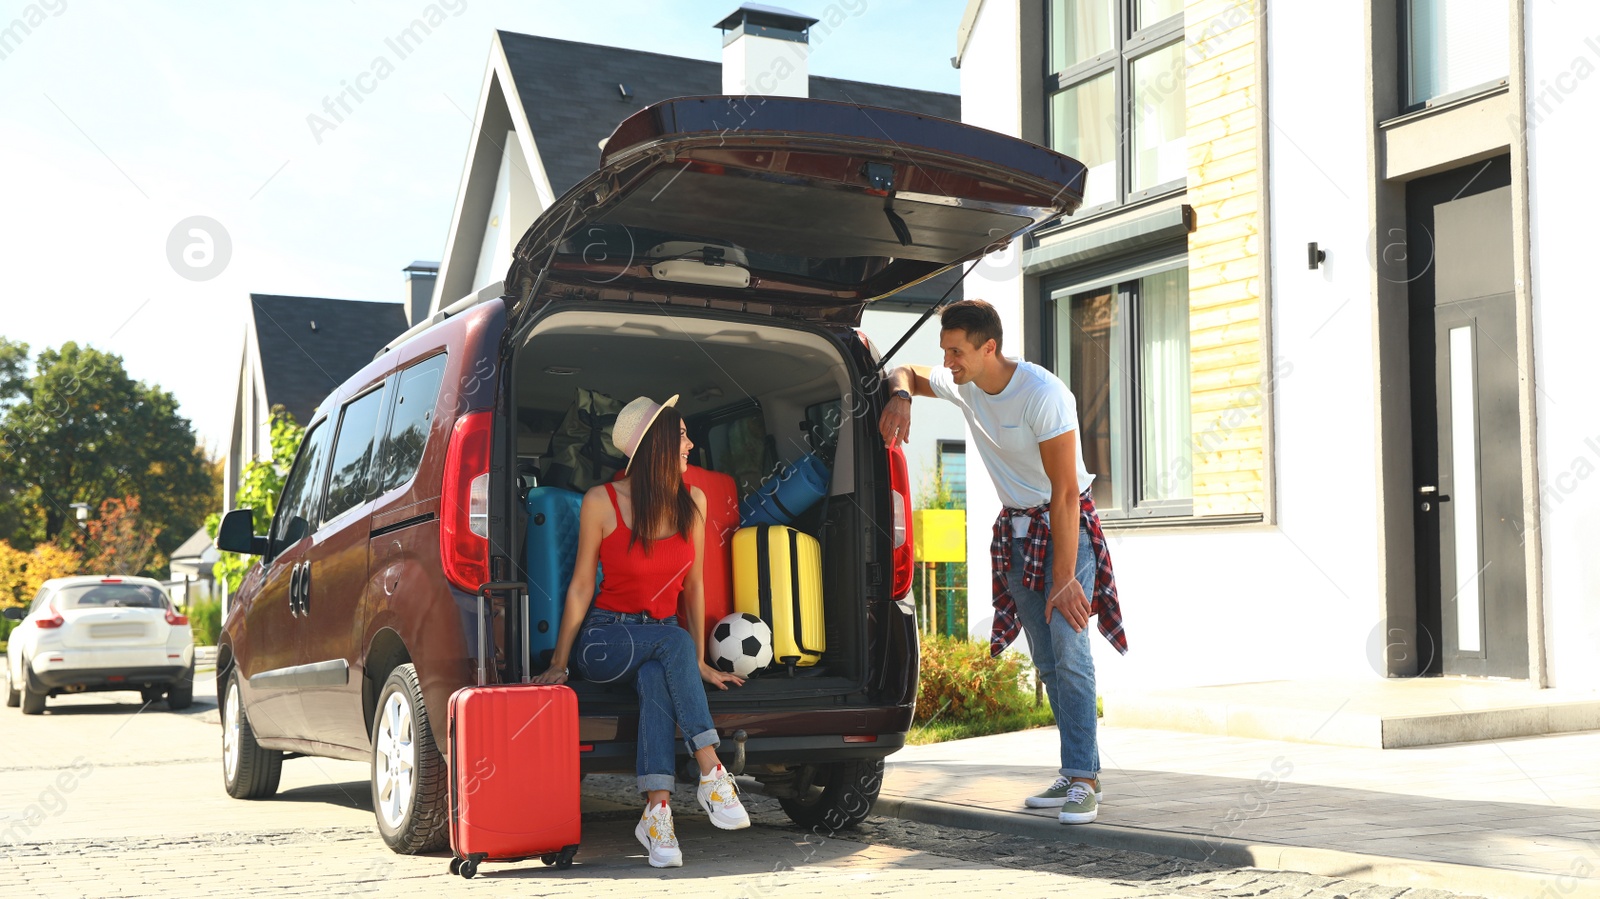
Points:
(724, 251)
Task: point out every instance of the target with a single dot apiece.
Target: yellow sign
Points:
(939, 535)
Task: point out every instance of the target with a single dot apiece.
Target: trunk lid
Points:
(804, 208)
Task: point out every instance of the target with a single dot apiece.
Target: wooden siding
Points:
(1226, 266)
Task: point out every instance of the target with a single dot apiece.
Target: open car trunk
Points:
(753, 393)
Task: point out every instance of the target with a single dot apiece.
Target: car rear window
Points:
(119, 596)
(415, 399)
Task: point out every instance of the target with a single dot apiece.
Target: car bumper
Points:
(111, 669)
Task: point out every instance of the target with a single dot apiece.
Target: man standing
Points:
(1025, 423)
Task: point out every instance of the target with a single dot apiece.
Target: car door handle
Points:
(305, 589)
(294, 589)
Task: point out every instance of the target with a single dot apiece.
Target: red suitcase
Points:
(513, 770)
(722, 519)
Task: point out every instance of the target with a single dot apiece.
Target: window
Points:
(349, 481)
(1115, 83)
(1455, 47)
(302, 492)
(953, 471)
(416, 395)
(1123, 348)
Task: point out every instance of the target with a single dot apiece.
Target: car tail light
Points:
(464, 518)
(861, 738)
(900, 488)
(111, 580)
(174, 619)
(55, 619)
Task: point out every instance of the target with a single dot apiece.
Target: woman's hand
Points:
(552, 675)
(719, 679)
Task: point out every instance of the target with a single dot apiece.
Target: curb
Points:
(1386, 870)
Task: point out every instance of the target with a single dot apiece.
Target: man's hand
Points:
(895, 423)
(1069, 600)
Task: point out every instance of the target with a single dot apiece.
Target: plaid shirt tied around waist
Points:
(1102, 604)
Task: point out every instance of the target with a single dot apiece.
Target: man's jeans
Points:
(660, 657)
(1066, 667)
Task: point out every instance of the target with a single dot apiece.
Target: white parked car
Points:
(90, 634)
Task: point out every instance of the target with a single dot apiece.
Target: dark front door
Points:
(1472, 592)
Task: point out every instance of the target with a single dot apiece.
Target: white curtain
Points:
(1458, 44)
(1164, 386)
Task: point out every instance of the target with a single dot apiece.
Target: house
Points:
(297, 350)
(546, 105)
(189, 576)
(1323, 315)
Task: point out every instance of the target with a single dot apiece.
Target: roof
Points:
(569, 92)
(194, 547)
(308, 346)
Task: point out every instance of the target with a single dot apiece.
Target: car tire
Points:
(410, 780)
(248, 770)
(148, 695)
(839, 798)
(32, 701)
(181, 694)
(13, 695)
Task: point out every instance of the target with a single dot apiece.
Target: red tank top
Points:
(636, 582)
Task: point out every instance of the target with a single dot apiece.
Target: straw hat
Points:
(632, 423)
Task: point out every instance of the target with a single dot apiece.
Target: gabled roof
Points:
(309, 345)
(569, 93)
(192, 548)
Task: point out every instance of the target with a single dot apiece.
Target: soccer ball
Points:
(741, 644)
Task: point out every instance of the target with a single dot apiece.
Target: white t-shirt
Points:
(1009, 426)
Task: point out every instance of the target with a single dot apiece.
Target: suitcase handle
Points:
(515, 588)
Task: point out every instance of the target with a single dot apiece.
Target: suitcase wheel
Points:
(469, 869)
(549, 859)
(455, 866)
(564, 861)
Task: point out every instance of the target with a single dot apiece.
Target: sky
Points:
(121, 123)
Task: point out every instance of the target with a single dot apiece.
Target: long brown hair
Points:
(659, 495)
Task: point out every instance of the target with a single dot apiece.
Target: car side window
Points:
(297, 505)
(39, 601)
(348, 481)
(416, 397)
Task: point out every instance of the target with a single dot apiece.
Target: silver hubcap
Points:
(394, 760)
(230, 734)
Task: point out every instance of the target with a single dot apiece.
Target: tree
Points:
(260, 484)
(116, 541)
(79, 429)
(22, 573)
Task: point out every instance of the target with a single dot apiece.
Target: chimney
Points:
(764, 52)
(419, 289)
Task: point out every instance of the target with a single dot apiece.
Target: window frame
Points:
(1130, 45)
(1125, 506)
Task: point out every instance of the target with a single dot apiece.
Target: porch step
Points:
(1377, 714)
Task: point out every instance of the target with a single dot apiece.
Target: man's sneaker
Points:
(1079, 806)
(654, 830)
(1056, 795)
(720, 799)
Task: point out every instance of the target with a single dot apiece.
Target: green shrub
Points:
(959, 682)
(205, 619)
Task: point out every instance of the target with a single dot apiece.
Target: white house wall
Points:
(989, 99)
(1563, 78)
(1299, 597)
(931, 420)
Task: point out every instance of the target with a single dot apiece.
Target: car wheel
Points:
(13, 695)
(181, 694)
(248, 770)
(410, 780)
(148, 695)
(32, 702)
(839, 798)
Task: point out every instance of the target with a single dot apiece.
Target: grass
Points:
(937, 731)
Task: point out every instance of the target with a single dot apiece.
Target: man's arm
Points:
(895, 424)
(1060, 457)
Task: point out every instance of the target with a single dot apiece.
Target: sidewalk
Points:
(1516, 817)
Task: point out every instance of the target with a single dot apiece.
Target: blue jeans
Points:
(660, 657)
(1066, 667)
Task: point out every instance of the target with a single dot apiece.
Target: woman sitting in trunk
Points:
(648, 530)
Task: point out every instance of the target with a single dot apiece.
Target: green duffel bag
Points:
(581, 454)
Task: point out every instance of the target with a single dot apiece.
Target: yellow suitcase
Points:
(777, 576)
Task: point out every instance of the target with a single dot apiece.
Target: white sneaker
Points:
(655, 832)
(720, 798)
